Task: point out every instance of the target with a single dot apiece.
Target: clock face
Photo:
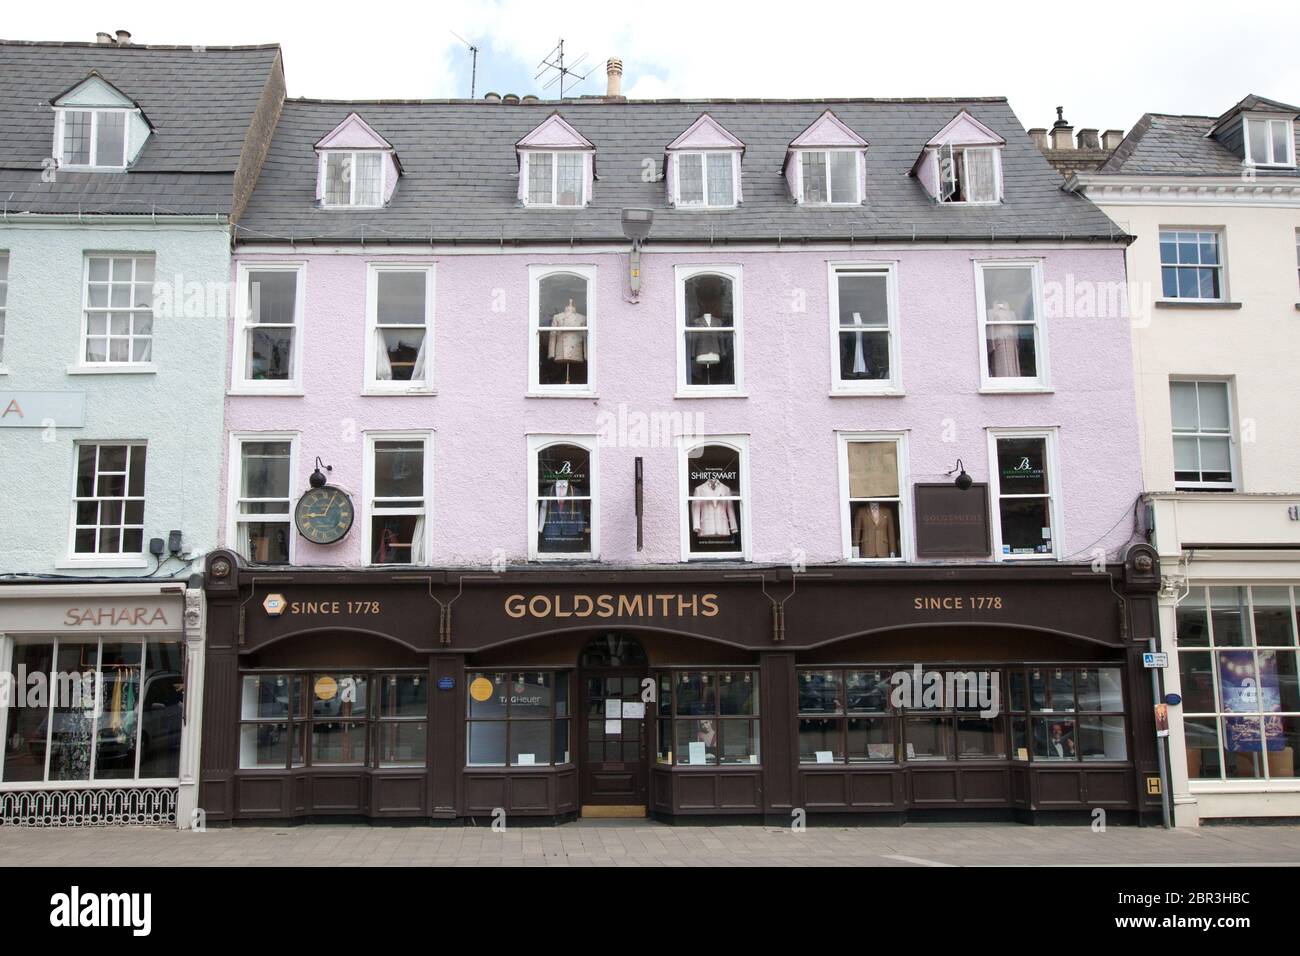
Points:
(324, 515)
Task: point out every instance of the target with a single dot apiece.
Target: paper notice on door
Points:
(633, 710)
(526, 760)
(613, 728)
(613, 708)
(825, 756)
(695, 752)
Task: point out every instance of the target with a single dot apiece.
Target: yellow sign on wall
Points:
(480, 689)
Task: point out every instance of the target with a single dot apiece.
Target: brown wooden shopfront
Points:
(740, 691)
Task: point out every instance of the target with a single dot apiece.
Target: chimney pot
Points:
(1039, 135)
(102, 37)
(123, 37)
(1111, 139)
(1088, 139)
(510, 99)
(613, 78)
(492, 97)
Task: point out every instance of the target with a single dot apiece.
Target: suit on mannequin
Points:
(568, 346)
(713, 519)
(873, 532)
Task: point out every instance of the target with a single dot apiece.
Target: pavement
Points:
(648, 843)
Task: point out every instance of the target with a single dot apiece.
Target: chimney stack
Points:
(1111, 139)
(1062, 132)
(1088, 139)
(614, 78)
(123, 37)
(1039, 135)
(102, 37)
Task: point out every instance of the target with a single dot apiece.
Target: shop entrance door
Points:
(614, 776)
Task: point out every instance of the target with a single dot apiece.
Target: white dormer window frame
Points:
(825, 152)
(733, 156)
(964, 159)
(1275, 126)
(92, 152)
(350, 157)
(555, 154)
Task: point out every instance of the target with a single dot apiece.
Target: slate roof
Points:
(460, 175)
(199, 100)
(1166, 145)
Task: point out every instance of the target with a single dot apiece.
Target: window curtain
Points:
(243, 544)
(417, 373)
(383, 367)
(981, 181)
(418, 555)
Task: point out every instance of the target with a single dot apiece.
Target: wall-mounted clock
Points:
(324, 515)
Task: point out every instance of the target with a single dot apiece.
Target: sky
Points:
(1106, 62)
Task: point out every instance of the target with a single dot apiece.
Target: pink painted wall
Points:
(481, 415)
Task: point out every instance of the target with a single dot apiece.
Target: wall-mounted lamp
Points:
(963, 481)
(636, 226)
(318, 478)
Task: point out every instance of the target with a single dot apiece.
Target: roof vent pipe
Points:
(102, 37)
(613, 78)
(123, 37)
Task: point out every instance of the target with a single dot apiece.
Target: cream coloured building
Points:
(1214, 292)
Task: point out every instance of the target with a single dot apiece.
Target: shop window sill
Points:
(534, 393)
(692, 394)
(373, 392)
(892, 392)
(73, 564)
(1195, 304)
(147, 368)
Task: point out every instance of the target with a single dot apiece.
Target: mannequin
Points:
(713, 519)
(873, 532)
(706, 347)
(568, 347)
(1004, 343)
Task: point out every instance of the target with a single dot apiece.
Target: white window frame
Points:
(4, 303)
(1267, 120)
(965, 172)
(536, 444)
(372, 384)
(352, 179)
(1221, 241)
(526, 173)
(827, 150)
(735, 273)
(704, 155)
(1049, 436)
(95, 112)
(685, 444)
(906, 535)
(535, 387)
(83, 364)
(234, 466)
(1234, 460)
(894, 384)
(1042, 382)
(368, 492)
(95, 559)
(239, 384)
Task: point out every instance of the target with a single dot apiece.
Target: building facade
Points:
(122, 177)
(1214, 205)
(598, 457)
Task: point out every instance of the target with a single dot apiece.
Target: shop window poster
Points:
(1245, 691)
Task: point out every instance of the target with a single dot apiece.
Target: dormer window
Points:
(962, 163)
(556, 166)
(968, 174)
(358, 168)
(354, 179)
(704, 167)
(97, 126)
(825, 165)
(1269, 141)
(93, 138)
(830, 176)
(556, 179)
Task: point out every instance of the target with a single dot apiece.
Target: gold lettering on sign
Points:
(956, 602)
(559, 606)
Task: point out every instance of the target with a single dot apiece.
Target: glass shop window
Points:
(708, 718)
(518, 718)
(561, 327)
(563, 500)
(874, 500)
(711, 360)
(1024, 495)
(715, 501)
(1062, 714)
(845, 716)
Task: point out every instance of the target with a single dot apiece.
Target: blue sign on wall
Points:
(446, 683)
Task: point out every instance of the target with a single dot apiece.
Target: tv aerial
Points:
(555, 61)
(473, 54)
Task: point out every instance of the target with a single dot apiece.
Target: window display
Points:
(874, 500)
(561, 329)
(708, 718)
(110, 710)
(1241, 682)
(1009, 318)
(1024, 495)
(714, 500)
(861, 300)
(1068, 713)
(564, 500)
(517, 718)
(709, 310)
